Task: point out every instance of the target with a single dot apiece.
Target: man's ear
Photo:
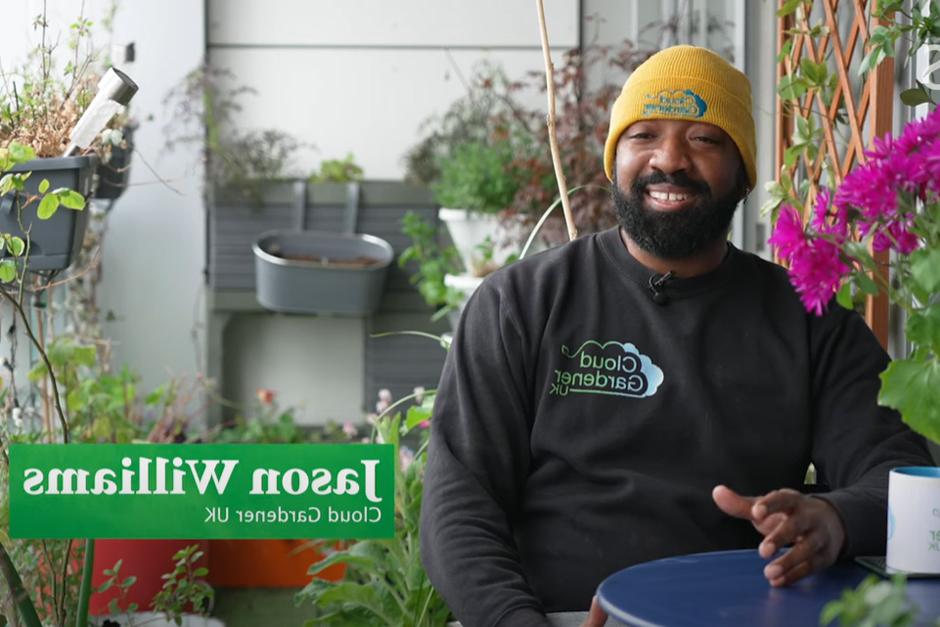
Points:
(744, 187)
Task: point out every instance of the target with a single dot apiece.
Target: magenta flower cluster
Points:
(875, 200)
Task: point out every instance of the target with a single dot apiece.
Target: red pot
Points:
(265, 564)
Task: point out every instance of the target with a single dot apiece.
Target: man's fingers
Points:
(596, 616)
(783, 501)
(808, 554)
(732, 503)
(786, 532)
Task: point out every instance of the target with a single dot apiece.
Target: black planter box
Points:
(114, 175)
(54, 243)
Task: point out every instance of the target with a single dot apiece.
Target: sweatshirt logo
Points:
(612, 368)
(684, 102)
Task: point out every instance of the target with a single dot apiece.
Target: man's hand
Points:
(785, 517)
(596, 616)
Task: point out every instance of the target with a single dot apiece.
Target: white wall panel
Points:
(359, 101)
(459, 23)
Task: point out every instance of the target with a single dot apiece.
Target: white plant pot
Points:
(914, 519)
(468, 230)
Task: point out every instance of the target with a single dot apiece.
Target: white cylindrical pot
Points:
(469, 229)
(914, 519)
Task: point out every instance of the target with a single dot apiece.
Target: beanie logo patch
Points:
(677, 103)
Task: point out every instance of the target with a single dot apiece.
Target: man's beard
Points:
(675, 234)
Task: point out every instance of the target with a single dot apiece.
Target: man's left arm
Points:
(855, 444)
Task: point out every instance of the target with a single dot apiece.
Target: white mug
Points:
(914, 519)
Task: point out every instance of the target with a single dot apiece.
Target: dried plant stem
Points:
(552, 136)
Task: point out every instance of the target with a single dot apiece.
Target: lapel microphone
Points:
(656, 285)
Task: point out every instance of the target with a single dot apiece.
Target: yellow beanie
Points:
(686, 83)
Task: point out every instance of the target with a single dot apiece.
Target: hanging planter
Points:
(114, 175)
(314, 272)
(54, 242)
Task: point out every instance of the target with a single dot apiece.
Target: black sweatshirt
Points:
(579, 427)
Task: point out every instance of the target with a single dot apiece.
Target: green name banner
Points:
(202, 491)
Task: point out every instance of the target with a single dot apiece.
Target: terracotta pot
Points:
(147, 560)
(265, 564)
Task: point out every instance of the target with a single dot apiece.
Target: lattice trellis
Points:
(857, 110)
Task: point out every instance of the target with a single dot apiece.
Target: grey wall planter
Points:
(54, 243)
(313, 272)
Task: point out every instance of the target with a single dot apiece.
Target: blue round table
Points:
(729, 588)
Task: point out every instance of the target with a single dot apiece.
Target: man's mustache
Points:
(679, 179)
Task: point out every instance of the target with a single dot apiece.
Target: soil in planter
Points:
(355, 262)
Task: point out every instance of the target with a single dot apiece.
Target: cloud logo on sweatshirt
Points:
(608, 368)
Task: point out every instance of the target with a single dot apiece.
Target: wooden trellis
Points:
(865, 107)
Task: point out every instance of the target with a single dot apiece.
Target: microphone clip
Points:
(656, 285)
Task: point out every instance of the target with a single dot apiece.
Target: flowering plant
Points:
(892, 204)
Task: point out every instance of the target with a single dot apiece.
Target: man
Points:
(599, 397)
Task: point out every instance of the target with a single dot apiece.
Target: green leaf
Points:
(792, 154)
(789, 7)
(791, 87)
(925, 269)
(7, 271)
(43, 186)
(47, 206)
(912, 386)
(923, 328)
(415, 416)
(72, 199)
(16, 246)
(844, 296)
(6, 184)
(21, 153)
(915, 96)
(866, 283)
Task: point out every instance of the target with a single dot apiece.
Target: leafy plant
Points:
(478, 176)
(183, 587)
(875, 602)
(432, 263)
(342, 170)
(119, 604)
(385, 582)
(202, 108)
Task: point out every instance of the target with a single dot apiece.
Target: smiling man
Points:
(599, 397)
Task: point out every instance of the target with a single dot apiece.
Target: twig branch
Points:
(553, 138)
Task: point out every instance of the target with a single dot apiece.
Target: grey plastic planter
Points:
(54, 243)
(114, 175)
(315, 272)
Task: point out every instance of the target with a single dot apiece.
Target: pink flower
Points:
(265, 396)
(816, 271)
(788, 236)
(385, 400)
(419, 394)
(424, 424)
(350, 430)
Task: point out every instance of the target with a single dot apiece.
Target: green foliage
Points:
(478, 176)
(118, 605)
(872, 604)
(433, 263)
(385, 582)
(183, 587)
(912, 386)
(338, 171)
